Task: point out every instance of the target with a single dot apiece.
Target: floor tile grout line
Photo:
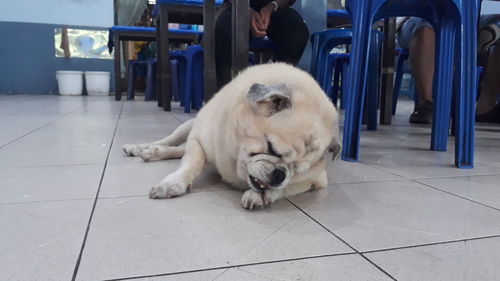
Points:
(50, 166)
(384, 170)
(40, 127)
(457, 176)
(359, 182)
(456, 195)
(436, 177)
(230, 266)
(44, 201)
(77, 265)
(343, 241)
(217, 277)
(432, 244)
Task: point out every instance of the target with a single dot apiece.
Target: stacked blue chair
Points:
(150, 81)
(322, 67)
(322, 43)
(337, 64)
(190, 77)
(174, 75)
(455, 22)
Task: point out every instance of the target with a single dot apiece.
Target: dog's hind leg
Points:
(179, 136)
(158, 152)
(179, 182)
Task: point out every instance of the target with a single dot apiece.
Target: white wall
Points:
(490, 7)
(97, 13)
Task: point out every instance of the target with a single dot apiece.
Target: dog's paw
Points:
(133, 149)
(253, 200)
(146, 155)
(169, 189)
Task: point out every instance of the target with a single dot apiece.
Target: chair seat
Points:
(338, 13)
(186, 2)
(122, 28)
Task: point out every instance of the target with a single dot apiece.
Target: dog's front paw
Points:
(169, 189)
(146, 155)
(253, 200)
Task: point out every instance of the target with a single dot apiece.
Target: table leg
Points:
(118, 75)
(387, 71)
(240, 29)
(209, 74)
(165, 57)
(159, 95)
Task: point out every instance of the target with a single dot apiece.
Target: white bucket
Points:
(97, 82)
(69, 82)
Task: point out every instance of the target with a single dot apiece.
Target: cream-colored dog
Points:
(266, 132)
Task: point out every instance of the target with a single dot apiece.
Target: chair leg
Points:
(372, 90)
(189, 82)
(397, 82)
(199, 83)
(442, 85)
(327, 81)
(314, 46)
(357, 74)
(466, 95)
(175, 79)
(183, 80)
(149, 81)
(334, 90)
(343, 87)
(131, 80)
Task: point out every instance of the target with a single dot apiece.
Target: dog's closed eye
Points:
(271, 151)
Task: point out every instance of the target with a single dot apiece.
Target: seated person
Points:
(418, 36)
(275, 19)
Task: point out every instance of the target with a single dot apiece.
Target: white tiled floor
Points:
(73, 207)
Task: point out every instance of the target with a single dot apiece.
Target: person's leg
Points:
(487, 109)
(223, 48)
(422, 55)
(422, 61)
(289, 33)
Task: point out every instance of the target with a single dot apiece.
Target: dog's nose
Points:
(277, 177)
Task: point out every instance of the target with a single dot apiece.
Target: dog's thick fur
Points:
(266, 132)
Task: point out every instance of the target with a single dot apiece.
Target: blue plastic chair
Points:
(322, 66)
(322, 43)
(190, 75)
(150, 81)
(455, 22)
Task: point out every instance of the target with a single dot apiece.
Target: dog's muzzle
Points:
(277, 177)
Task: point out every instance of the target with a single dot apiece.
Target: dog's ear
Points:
(335, 147)
(269, 99)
